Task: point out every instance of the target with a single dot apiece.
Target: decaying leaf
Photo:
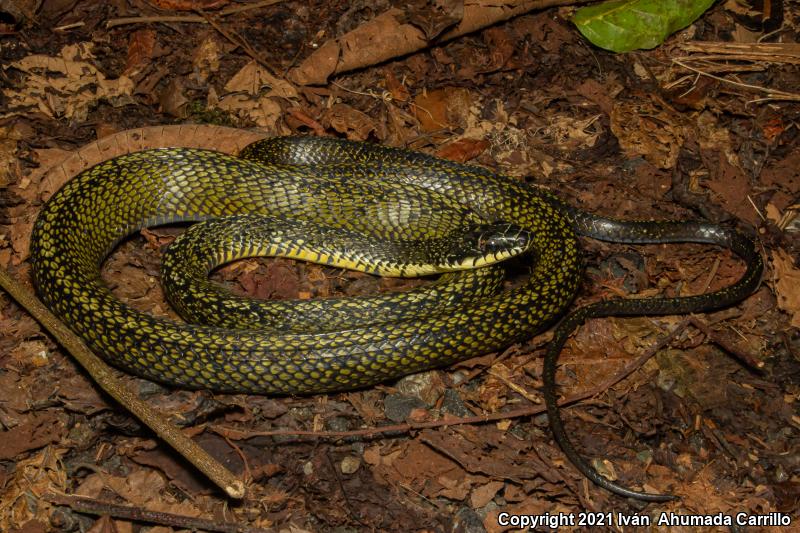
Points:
(442, 108)
(787, 284)
(264, 112)
(9, 165)
(64, 86)
(187, 5)
(651, 133)
(141, 45)
(245, 95)
(205, 59)
(463, 150)
(252, 78)
(434, 17)
(41, 473)
(350, 121)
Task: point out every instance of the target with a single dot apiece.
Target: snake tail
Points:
(632, 232)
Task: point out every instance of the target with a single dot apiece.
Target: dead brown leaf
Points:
(64, 86)
(9, 166)
(280, 281)
(784, 174)
(75, 393)
(205, 58)
(173, 97)
(36, 430)
(348, 120)
(186, 478)
(388, 35)
(442, 108)
(43, 472)
(141, 487)
(396, 88)
(252, 77)
(106, 524)
(463, 150)
(732, 187)
(366, 405)
(21, 238)
(430, 473)
(646, 131)
(264, 112)
(594, 91)
(433, 17)
(298, 117)
(141, 44)
(501, 47)
(787, 284)
(483, 494)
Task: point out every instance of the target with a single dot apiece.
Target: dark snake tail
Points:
(640, 233)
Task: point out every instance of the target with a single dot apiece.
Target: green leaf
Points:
(624, 25)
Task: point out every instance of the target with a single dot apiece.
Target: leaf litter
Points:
(527, 97)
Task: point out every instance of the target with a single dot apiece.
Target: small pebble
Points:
(350, 464)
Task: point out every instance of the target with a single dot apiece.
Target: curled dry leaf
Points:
(388, 35)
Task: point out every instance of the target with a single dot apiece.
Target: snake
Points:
(379, 192)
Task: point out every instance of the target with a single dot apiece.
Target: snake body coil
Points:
(337, 184)
(83, 221)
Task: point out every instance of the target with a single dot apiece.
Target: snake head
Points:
(486, 244)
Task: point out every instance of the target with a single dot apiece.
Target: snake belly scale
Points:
(85, 219)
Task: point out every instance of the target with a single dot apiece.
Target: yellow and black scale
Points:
(379, 192)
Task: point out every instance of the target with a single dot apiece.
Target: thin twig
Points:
(772, 94)
(741, 356)
(236, 40)
(187, 18)
(103, 375)
(95, 507)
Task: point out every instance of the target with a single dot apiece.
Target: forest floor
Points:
(704, 126)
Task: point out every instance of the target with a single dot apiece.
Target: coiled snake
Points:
(381, 192)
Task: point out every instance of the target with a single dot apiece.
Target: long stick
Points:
(103, 376)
